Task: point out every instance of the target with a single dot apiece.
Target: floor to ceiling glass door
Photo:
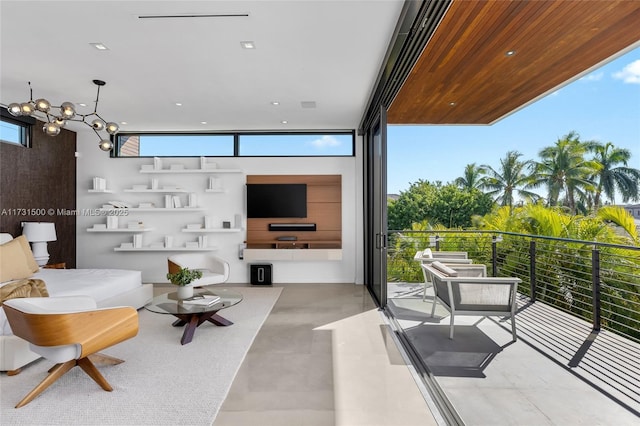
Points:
(376, 208)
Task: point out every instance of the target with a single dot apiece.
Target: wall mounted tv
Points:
(276, 200)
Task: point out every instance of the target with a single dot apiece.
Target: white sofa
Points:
(108, 287)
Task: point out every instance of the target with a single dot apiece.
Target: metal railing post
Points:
(437, 242)
(595, 280)
(494, 257)
(532, 270)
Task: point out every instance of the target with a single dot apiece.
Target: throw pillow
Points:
(13, 262)
(426, 253)
(28, 254)
(444, 269)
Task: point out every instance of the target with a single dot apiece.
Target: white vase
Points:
(185, 292)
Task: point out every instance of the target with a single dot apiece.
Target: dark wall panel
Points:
(38, 184)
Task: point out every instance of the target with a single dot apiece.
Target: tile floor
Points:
(324, 356)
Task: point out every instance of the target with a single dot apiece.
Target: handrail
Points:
(592, 280)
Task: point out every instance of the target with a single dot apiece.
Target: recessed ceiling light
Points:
(178, 104)
(284, 121)
(510, 53)
(203, 122)
(99, 46)
(275, 103)
(452, 104)
(124, 122)
(248, 45)
(82, 104)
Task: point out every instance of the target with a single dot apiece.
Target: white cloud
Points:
(325, 142)
(629, 74)
(595, 76)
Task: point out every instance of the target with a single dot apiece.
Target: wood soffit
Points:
(464, 76)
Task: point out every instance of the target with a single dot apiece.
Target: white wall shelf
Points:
(210, 230)
(101, 191)
(157, 209)
(218, 190)
(161, 190)
(165, 249)
(124, 230)
(183, 171)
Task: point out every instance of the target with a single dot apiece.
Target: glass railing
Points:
(597, 282)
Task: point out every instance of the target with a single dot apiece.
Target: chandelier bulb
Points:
(105, 145)
(27, 108)
(51, 129)
(43, 105)
(97, 124)
(68, 110)
(60, 121)
(14, 109)
(112, 128)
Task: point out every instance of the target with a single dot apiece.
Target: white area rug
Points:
(160, 383)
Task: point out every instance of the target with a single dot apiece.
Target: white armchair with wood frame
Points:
(69, 331)
(214, 270)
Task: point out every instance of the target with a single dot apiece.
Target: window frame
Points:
(115, 153)
(26, 128)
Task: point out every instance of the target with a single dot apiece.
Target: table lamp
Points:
(38, 234)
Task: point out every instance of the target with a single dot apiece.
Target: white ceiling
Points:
(329, 52)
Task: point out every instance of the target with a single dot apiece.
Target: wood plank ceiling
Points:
(464, 75)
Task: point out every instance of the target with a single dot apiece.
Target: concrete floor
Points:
(556, 373)
(324, 356)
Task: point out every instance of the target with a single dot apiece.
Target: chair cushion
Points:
(444, 269)
(427, 254)
(14, 262)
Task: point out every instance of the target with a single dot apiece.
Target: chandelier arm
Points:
(95, 107)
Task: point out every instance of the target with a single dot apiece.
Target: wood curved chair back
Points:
(93, 330)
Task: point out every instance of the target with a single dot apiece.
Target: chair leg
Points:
(104, 359)
(433, 306)
(55, 373)
(513, 328)
(451, 326)
(93, 372)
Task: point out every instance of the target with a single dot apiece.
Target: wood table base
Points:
(192, 321)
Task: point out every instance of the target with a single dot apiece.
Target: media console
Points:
(315, 236)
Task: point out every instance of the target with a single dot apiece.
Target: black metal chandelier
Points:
(55, 117)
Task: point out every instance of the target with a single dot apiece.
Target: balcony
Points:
(578, 326)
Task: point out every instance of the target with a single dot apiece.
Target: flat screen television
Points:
(276, 200)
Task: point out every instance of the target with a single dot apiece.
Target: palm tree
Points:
(472, 178)
(511, 179)
(609, 177)
(563, 169)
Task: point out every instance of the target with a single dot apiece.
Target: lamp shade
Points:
(39, 231)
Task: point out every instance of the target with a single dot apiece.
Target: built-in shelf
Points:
(165, 249)
(210, 230)
(161, 190)
(157, 209)
(183, 171)
(101, 191)
(125, 230)
(293, 254)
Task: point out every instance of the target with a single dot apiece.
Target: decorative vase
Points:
(185, 292)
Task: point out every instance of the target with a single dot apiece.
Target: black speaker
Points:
(292, 227)
(261, 274)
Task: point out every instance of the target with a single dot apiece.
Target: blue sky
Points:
(603, 105)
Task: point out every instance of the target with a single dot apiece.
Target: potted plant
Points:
(182, 279)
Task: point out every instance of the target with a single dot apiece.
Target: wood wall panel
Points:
(41, 180)
(324, 208)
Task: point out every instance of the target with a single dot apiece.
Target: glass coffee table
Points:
(194, 315)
